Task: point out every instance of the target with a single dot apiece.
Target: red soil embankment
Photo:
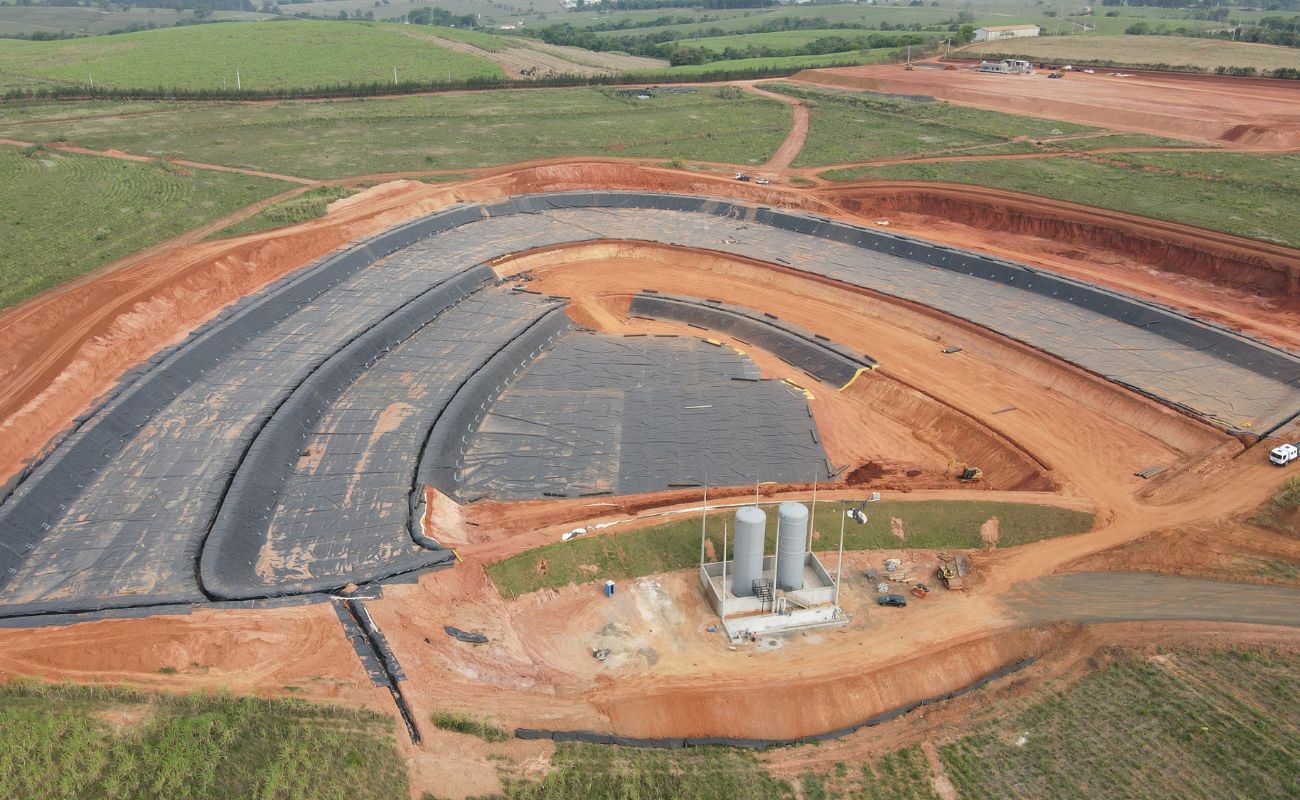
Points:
(777, 707)
(1258, 267)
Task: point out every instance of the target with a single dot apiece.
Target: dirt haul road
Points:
(537, 668)
(1239, 114)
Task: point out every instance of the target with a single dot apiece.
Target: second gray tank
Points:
(791, 539)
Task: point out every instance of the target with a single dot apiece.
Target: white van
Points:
(1284, 454)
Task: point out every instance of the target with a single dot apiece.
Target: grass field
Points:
(452, 131)
(846, 126)
(1138, 51)
(928, 524)
(311, 204)
(208, 57)
(102, 743)
(63, 215)
(1246, 195)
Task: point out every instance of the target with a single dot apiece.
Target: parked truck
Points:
(1284, 454)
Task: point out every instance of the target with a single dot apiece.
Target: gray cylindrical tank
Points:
(747, 564)
(791, 538)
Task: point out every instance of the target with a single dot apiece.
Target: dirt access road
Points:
(1092, 597)
(793, 144)
(1258, 114)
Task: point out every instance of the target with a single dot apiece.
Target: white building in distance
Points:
(996, 32)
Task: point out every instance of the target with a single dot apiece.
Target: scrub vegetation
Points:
(91, 742)
(1282, 511)
(309, 205)
(457, 723)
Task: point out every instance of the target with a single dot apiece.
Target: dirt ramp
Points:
(962, 439)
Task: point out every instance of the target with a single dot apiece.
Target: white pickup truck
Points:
(1284, 454)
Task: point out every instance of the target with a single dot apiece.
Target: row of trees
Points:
(1284, 31)
(659, 43)
(823, 45)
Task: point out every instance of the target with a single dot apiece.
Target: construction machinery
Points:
(953, 570)
(970, 474)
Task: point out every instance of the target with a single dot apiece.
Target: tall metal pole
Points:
(776, 556)
(812, 523)
(839, 567)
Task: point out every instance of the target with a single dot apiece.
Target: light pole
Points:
(839, 566)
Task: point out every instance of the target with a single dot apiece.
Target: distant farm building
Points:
(996, 32)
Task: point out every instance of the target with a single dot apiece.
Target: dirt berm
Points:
(1256, 267)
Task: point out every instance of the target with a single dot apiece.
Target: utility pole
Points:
(238, 85)
(394, 74)
(839, 567)
(812, 522)
(704, 521)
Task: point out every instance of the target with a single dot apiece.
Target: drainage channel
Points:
(376, 656)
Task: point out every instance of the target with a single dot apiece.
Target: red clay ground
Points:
(1241, 114)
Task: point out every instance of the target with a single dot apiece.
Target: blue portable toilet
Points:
(609, 588)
